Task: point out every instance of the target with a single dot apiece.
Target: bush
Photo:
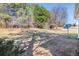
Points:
(7, 48)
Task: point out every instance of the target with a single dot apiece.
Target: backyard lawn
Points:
(42, 42)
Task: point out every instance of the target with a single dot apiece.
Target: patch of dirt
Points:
(40, 51)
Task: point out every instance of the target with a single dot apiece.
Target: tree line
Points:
(22, 15)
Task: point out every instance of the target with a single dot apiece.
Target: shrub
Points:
(8, 48)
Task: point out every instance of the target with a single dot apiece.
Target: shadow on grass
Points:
(57, 44)
(30, 46)
(62, 47)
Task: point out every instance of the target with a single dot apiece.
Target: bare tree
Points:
(58, 17)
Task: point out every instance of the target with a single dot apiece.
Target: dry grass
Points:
(6, 31)
(50, 43)
(56, 44)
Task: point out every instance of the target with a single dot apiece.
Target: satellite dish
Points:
(67, 26)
